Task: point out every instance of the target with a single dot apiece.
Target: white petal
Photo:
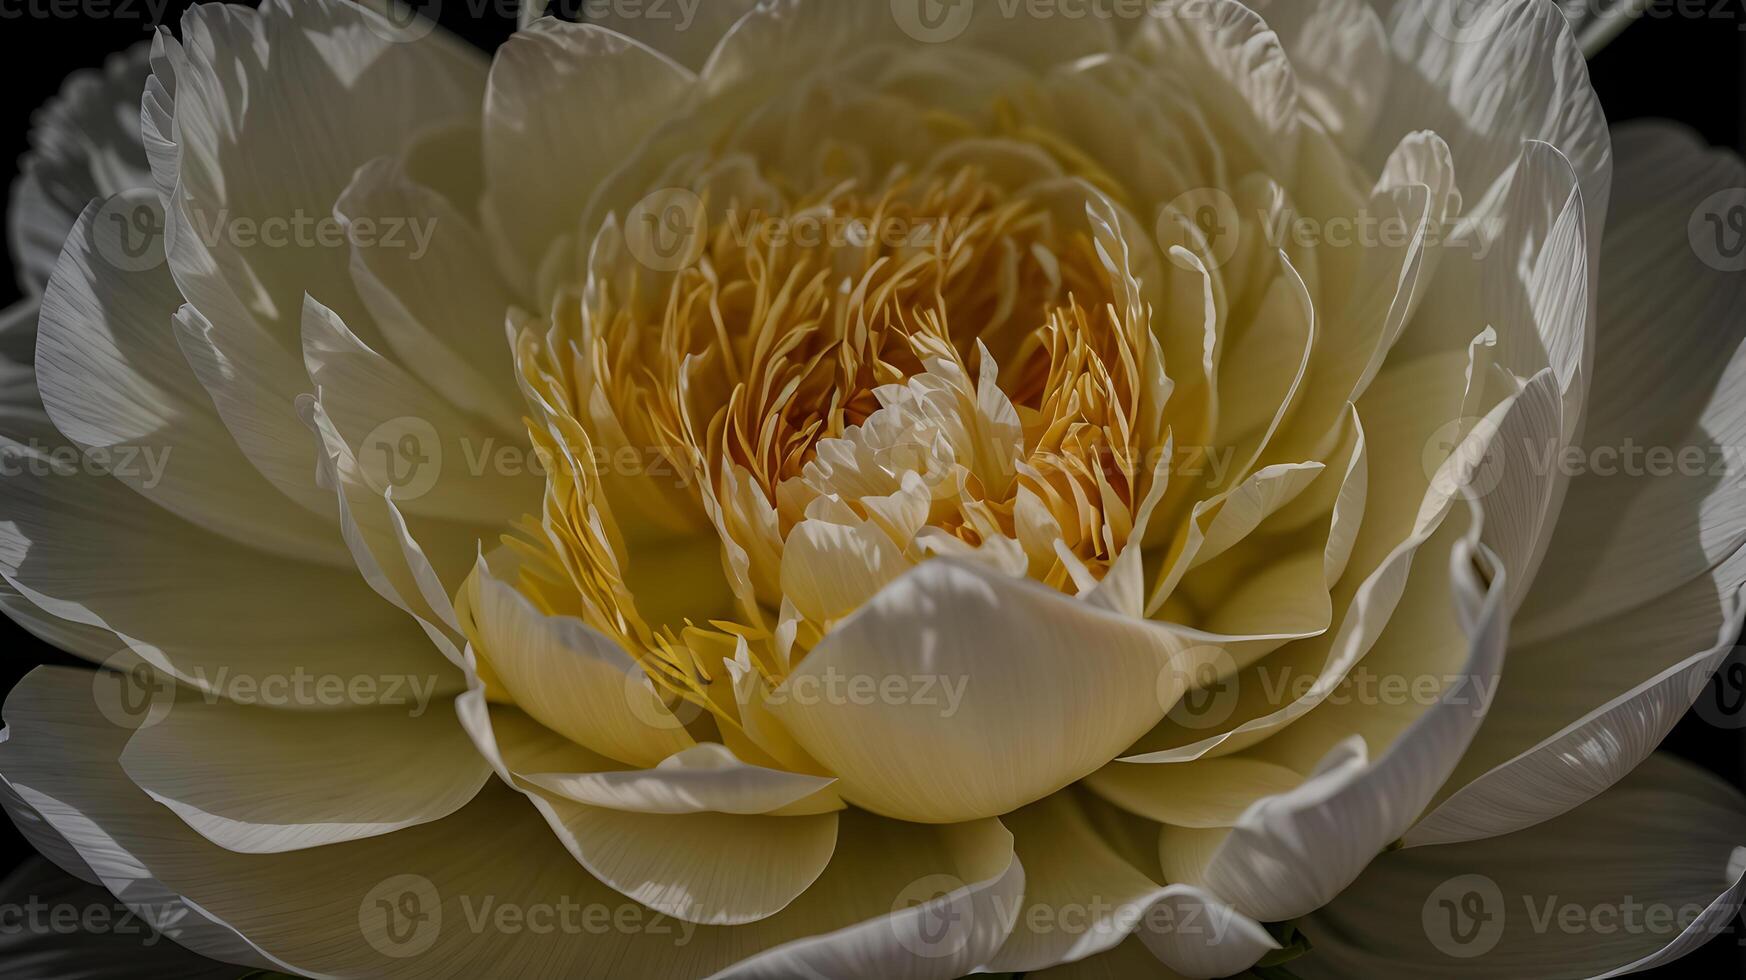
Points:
(1292, 853)
(261, 780)
(1653, 869)
(116, 383)
(321, 911)
(546, 149)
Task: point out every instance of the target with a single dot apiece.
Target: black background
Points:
(1689, 69)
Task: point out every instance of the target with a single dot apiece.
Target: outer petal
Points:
(687, 33)
(1291, 853)
(1653, 869)
(115, 381)
(1636, 603)
(1486, 76)
(110, 941)
(876, 913)
(258, 780)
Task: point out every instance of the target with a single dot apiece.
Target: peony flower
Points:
(825, 489)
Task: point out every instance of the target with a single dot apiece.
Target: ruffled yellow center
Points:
(824, 396)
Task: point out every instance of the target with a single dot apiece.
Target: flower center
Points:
(827, 392)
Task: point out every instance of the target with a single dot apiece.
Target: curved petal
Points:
(572, 679)
(484, 892)
(1488, 75)
(1634, 879)
(546, 149)
(950, 696)
(259, 780)
(1289, 854)
(685, 33)
(108, 941)
(208, 611)
(115, 382)
(1082, 898)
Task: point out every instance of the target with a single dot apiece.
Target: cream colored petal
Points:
(704, 778)
(1293, 852)
(1339, 51)
(1243, 74)
(1204, 793)
(426, 276)
(260, 780)
(396, 565)
(1487, 76)
(1401, 411)
(709, 868)
(1652, 869)
(718, 865)
(947, 696)
(685, 33)
(546, 149)
(829, 570)
(200, 607)
(573, 679)
(1083, 897)
(115, 381)
(1667, 379)
(877, 911)
(255, 122)
(407, 438)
